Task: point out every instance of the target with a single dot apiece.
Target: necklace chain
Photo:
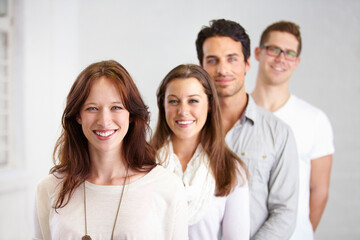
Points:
(86, 236)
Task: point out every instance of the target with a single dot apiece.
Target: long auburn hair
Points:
(71, 152)
(223, 162)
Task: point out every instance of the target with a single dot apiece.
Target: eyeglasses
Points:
(275, 52)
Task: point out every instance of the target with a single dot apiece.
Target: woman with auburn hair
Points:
(105, 183)
(189, 140)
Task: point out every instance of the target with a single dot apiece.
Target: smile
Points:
(105, 133)
(278, 68)
(185, 122)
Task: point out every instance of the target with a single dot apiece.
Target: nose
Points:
(104, 118)
(280, 56)
(222, 68)
(183, 109)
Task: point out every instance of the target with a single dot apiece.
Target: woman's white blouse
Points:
(210, 217)
(198, 180)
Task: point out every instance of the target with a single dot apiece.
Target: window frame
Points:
(6, 26)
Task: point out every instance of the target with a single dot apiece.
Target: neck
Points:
(270, 97)
(107, 168)
(232, 108)
(184, 149)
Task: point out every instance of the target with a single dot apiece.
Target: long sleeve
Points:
(37, 233)
(283, 194)
(236, 221)
(42, 207)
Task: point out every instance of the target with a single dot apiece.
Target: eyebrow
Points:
(233, 55)
(92, 103)
(227, 55)
(192, 95)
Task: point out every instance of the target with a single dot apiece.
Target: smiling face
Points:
(103, 117)
(224, 61)
(277, 70)
(186, 108)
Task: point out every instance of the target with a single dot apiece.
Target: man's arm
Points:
(283, 193)
(319, 187)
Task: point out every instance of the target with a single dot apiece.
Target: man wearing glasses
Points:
(278, 56)
(265, 143)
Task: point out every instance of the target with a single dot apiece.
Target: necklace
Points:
(86, 236)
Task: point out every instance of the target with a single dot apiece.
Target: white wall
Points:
(149, 38)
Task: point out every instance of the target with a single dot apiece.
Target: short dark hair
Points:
(224, 28)
(282, 26)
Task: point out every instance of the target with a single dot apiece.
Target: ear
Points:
(78, 119)
(298, 60)
(247, 65)
(257, 53)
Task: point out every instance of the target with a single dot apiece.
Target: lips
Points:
(223, 80)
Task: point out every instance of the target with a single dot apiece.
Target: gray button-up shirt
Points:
(267, 146)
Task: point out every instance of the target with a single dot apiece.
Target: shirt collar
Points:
(250, 111)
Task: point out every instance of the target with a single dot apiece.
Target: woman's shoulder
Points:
(49, 185)
(163, 178)
(164, 175)
(160, 182)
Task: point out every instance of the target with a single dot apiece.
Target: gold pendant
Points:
(86, 237)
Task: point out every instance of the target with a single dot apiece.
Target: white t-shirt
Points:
(210, 217)
(153, 207)
(314, 139)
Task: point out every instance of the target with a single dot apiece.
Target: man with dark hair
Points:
(278, 56)
(261, 140)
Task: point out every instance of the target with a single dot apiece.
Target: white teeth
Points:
(184, 122)
(105, 134)
(278, 69)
